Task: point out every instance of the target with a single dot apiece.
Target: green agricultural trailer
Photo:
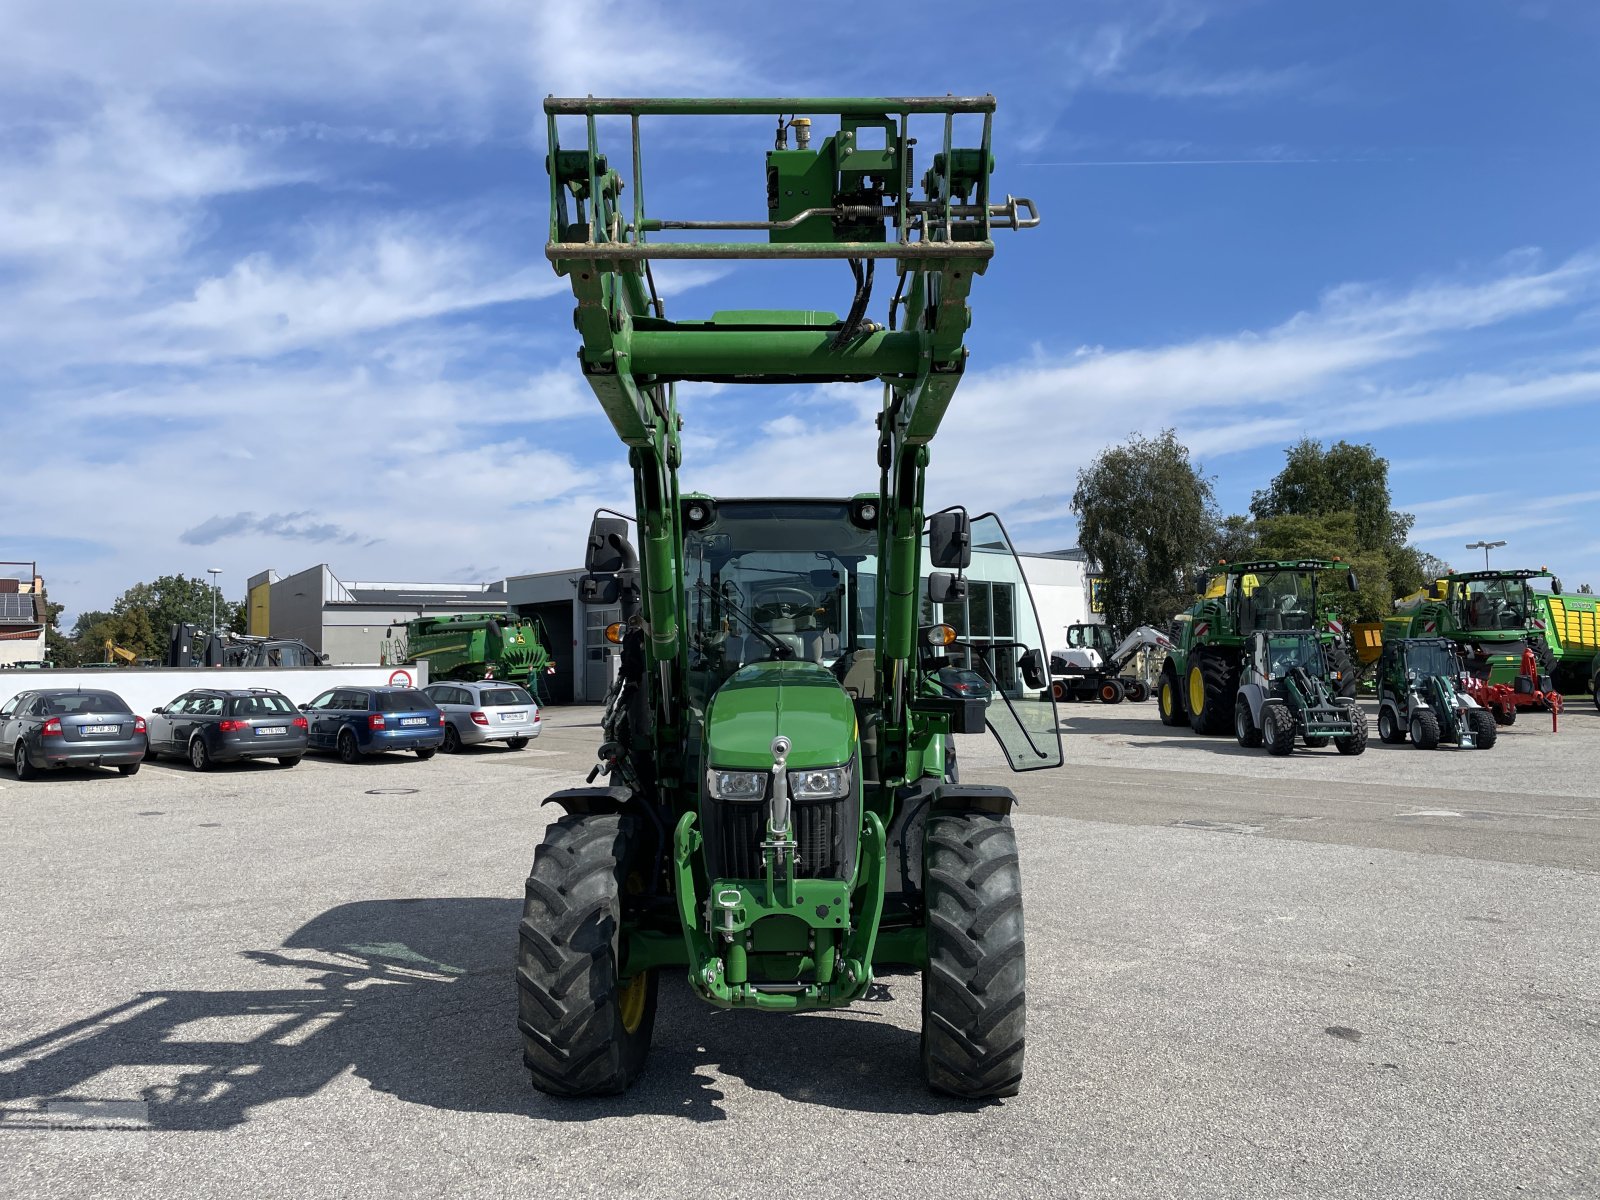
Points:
(1199, 681)
(780, 817)
(1572, 632)
(478, 646)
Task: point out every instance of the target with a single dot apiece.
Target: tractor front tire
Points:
(1424, 730)
(974, 1010)
(1277, 729)
(585, 1032)
(1483, 731)
(1169, 701)
(1244, 725)
(1209, 691)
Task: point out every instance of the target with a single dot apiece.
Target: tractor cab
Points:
(1280, 654)
(1101, 639)
(1284, 598)
(1492, 602)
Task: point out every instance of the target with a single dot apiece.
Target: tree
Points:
(58, 647)
(1331, 536)
(1235, 540)
(1585, 590)
(167, 601)
(1145, 518)
(1342, 478)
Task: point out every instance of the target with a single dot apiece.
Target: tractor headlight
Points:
(736, 785)
(826, 783)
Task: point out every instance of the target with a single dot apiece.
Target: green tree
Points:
(172, 600)
(1235, 540)
(1145, 517)
(1331, 536)
(1342, 478)
(59, 648)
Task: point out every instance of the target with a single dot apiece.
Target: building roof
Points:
(20, 608)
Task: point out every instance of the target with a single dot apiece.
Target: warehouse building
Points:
(353, 622)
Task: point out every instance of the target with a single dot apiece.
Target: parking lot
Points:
(1374, 976)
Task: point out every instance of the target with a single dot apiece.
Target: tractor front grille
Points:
(822, 828)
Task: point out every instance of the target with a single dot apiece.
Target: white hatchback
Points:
(490, 710)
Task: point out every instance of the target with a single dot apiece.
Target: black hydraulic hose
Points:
(858, 306)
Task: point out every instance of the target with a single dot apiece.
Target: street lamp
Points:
(1485, 547)
(215, 571)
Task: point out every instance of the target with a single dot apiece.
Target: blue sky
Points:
(272, 290)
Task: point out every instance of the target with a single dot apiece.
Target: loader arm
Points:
(864, 207)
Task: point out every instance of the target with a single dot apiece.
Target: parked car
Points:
(219, 725)
(70, 727)
(357, 721)
(965, 684)
(490, 710)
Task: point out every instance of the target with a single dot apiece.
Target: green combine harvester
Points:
(472, 646)
(779, 817)
(1199, 681)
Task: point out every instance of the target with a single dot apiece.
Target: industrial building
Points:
(22, 614)
(351, 622)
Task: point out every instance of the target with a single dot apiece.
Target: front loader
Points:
(1288, 691)
(1423, 694)
(1095, 663)
(775, 812)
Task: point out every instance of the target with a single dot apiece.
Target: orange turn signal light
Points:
(614, 633)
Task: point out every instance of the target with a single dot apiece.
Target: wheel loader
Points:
(1422, 694)
(1287, 693)
(775, 813)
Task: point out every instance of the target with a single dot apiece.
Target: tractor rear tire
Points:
(1424, 730)
(584, 1031)
(1169, 701)
(1244, 725)
(1355, 742)
(1212, 684)
(1277, 729)
(1339, 660)
(1389, 730)
(1483, 731)
(1506, 715)
(974, 1007)
(1110, 692)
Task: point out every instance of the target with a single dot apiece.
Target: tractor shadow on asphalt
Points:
(417, 998)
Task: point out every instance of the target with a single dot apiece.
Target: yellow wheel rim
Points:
(1197, 691)
(630, 1001)
(1166, 697)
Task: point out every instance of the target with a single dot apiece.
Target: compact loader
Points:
(775, 812)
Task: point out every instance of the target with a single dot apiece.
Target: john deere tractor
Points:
(1200, 678)
(1287, 693)
(1420, 695)
(775, 813)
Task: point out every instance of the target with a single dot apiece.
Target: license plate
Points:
(100, 729)
(269, 730)
(413, 720)
(514, 716)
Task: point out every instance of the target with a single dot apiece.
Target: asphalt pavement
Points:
(1247, 977)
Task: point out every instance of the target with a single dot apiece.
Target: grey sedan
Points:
(70, 727)
(218, 725)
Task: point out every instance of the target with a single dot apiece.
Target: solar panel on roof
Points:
(15, 606)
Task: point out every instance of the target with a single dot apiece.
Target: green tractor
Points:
(1200, 679)
(1419, 695)
(778, 815)
(1288, 692)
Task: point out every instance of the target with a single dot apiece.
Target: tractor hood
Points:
(800, 700)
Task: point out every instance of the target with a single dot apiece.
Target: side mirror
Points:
(945, 588)
(1350, 581)
(1555, 585)
(599, 590)
(160, 708)
(608, 551)
(950, 540)
(1031, 664)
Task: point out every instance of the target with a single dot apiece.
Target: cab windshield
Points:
(1492, 603)
(1284, 654)
(1275, 600)
(769, 580)
(1432, 660)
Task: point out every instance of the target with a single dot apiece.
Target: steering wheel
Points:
(802, 599)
